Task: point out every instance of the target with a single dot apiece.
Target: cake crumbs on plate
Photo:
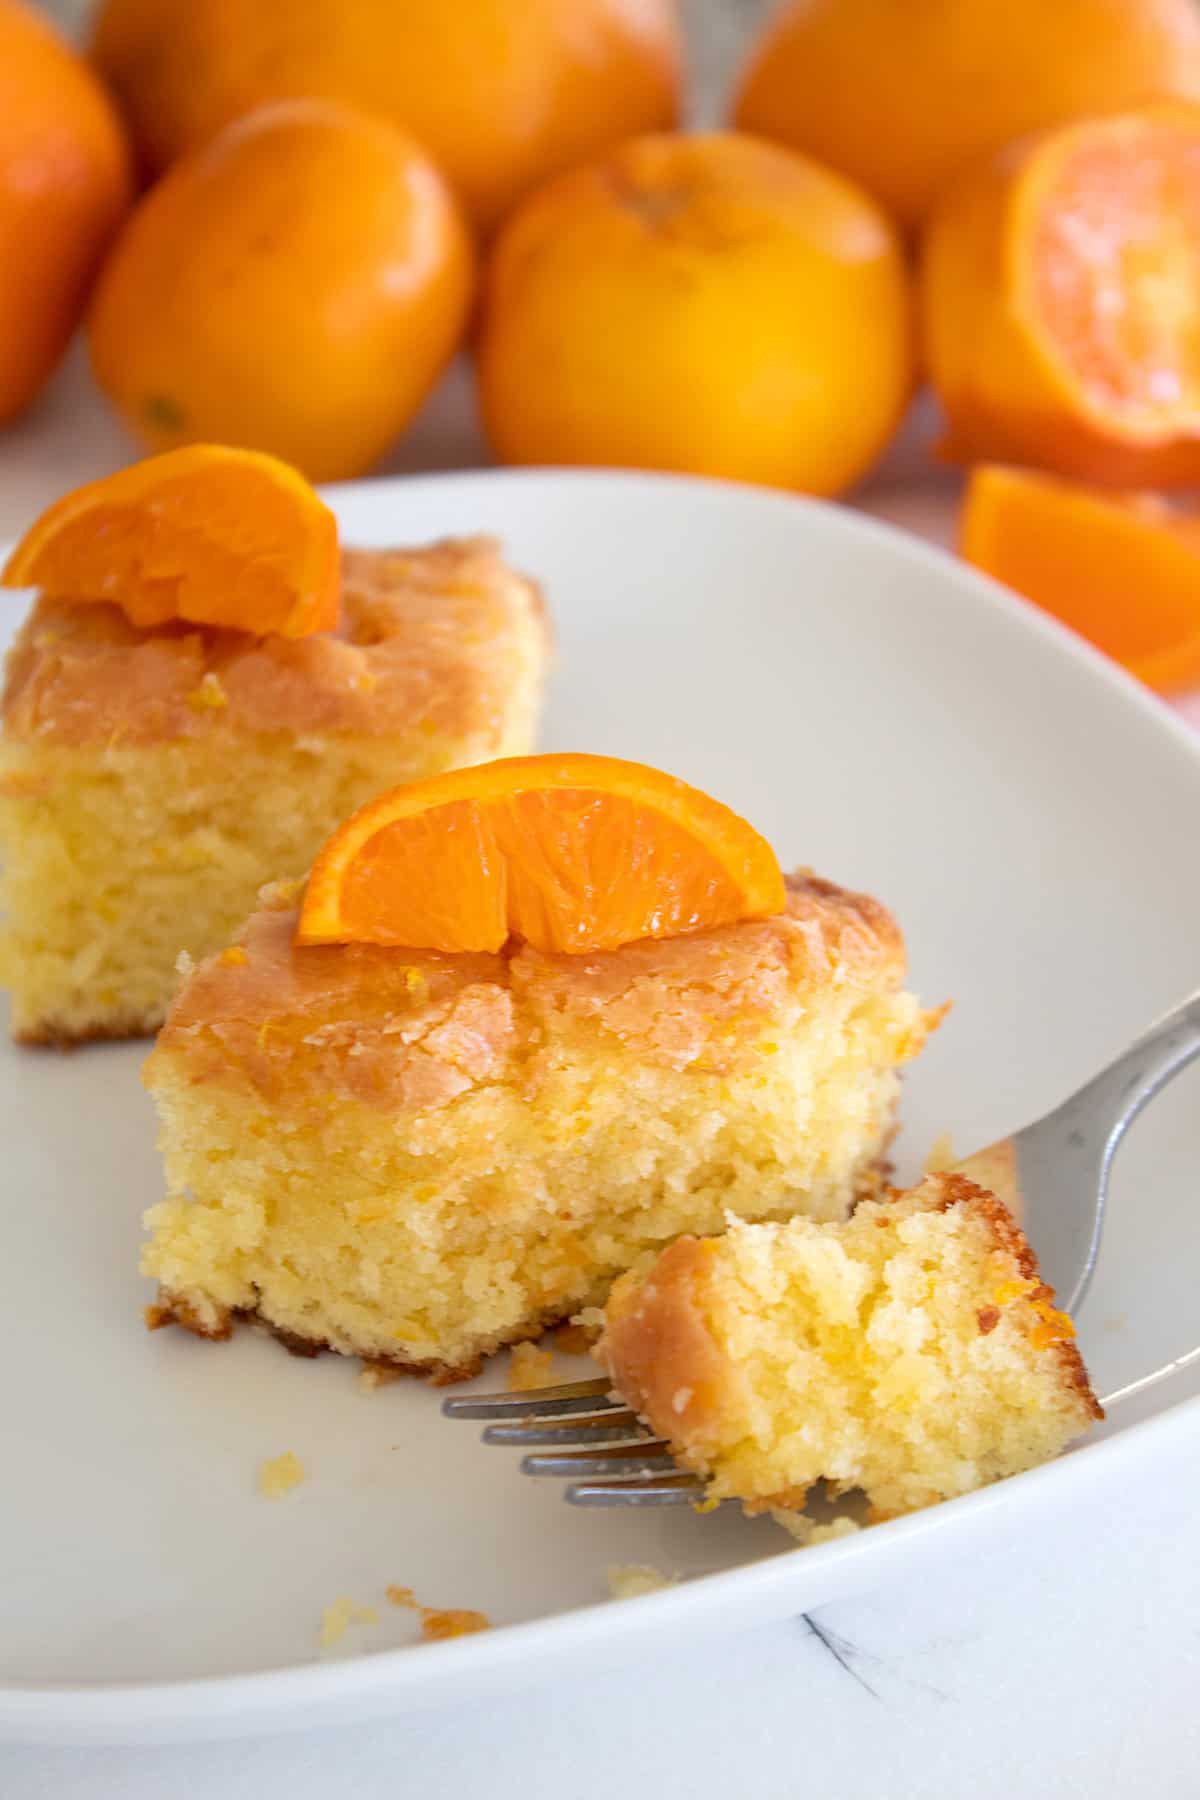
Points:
(339, 1616)
(627, 1580)
(458, 1621)
(374, 1375)
(530, 1367)
(809, 1534)
(439, 1622)
(279, 1475)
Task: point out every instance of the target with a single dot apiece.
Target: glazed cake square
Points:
(416, 1158)
(152, 781)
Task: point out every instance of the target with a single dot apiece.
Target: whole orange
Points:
(295, 286)
(707, 303)
(502, 93)
(64, 185)
(901, 94)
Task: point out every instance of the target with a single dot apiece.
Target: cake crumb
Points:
(576, 1338)
(456, 1622)
(941, 1154)
(279, 1475)
(529, 1368)
(439, 1622)
(184, 964)
(339, 1616)
(808, 1534)
(627, 1580)
(374, 1375)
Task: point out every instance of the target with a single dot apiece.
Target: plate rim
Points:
(357, 1686)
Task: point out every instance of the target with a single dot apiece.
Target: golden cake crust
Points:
(409, 1030)
(423, 646)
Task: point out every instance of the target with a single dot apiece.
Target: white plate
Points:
(882, 714)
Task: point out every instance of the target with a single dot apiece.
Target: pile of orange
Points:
(339, 194)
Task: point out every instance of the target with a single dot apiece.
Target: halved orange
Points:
(210, 534)
(1059, 294)
(1122, 569)
(571, 853)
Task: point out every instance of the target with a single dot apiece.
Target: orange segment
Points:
(572, 853)
(1122, 569)
(1059, 297)
(209, 534)
(1113, 266)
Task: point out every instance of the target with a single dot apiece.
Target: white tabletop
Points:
(1064, 1665)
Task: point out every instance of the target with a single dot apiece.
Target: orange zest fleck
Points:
(1008, 1291)
(211, 535)
(451, 1622)
(1055, 1328)
(571, 853)
(1120, 568)
(436, 1621)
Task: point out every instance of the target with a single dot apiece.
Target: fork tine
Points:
(602, 1429)
(567, 1397)
(650, 1457)
(667, 1490)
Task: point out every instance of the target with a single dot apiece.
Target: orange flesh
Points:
(570, 853)
(215, 536)
(1116, 268)
(1123, 570)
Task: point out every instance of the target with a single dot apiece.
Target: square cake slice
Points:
(152, 781)
(416, 1158)
(912, 1352)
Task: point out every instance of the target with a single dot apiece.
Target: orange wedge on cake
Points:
(208, 534)
(526, 1024)
(205, 687)
(572, 853)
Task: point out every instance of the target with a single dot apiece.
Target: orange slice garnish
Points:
(571, 853)
(1122, 569)
(210, 534)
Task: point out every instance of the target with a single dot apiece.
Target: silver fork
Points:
(1054, 1175)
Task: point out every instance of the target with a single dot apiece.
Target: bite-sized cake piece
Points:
(152, 780)
(912, 1352)
(417, 1157)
